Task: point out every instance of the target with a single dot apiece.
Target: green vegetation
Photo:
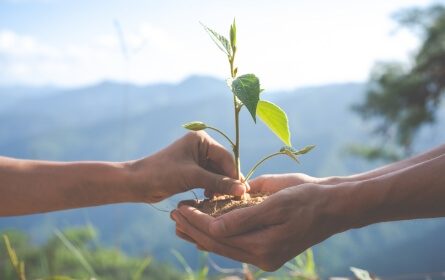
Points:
(402, 98)
(246, 92)
(75, 253)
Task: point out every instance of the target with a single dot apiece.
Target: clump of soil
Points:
(222, 204)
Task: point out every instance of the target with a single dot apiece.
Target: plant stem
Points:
(236, 151)
(223, 134)
(259, 163)
(237, 108)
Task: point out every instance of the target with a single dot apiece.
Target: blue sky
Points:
(287, 43)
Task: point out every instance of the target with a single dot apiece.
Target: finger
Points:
(190, 202)
(196, 218)
(184, 236)
(222, 159)
(233, 223)
(202, 222)
(217, 183)
(272, 183)
(206, 243)
(257, 184)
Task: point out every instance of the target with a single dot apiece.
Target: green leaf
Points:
(233, 35)
(305, 150)
(247, 89)
(221, 41)
(195, 126)
(275, 118)
(289, 151)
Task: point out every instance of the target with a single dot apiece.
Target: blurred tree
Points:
(402, 98)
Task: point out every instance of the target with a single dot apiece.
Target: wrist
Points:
(142, 179)
(124, 181)
(356, 204)
(347, 205)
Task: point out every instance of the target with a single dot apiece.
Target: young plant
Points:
(246, 92)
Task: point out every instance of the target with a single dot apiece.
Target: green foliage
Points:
(403, 98)
(246, 92)
(233, 35)
(76, 252)
(247, 89)
(200, 274)
(220, 41)
(302, 267)
(17, 264)
(276, 119)
(73, 253)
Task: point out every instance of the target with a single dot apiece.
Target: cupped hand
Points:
(268, 234)
(195, 160)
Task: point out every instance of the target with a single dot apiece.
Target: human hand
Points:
(195, 160)
(268, 234)
(271, 183)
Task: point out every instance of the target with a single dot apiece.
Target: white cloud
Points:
(27, 60)
(319, 54)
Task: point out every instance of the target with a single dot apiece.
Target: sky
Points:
(286, 43)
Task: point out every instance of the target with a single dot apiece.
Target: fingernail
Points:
(218, 227)
(172, 215)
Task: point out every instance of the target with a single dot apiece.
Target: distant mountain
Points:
(114, 121)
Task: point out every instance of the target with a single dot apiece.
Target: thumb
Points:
(237, 221)
(217, 183)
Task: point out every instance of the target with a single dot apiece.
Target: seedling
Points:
(246, 92)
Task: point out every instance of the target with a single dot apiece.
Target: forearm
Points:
(36, 186)
(399, 165)
(414, 192)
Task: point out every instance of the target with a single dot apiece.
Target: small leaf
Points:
(290, 152)
(233, 35)
(275, 118)
(195, 126)
(247, 89)
(221, 41)
(305, 150)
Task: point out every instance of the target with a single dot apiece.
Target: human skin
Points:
(303, 210)
(195, 160)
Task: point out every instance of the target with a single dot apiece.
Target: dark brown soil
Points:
(220, 205)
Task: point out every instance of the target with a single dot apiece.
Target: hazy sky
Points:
(287, 43)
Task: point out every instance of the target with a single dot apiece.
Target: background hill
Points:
(114, 121)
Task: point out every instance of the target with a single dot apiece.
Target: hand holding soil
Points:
(267, 235)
